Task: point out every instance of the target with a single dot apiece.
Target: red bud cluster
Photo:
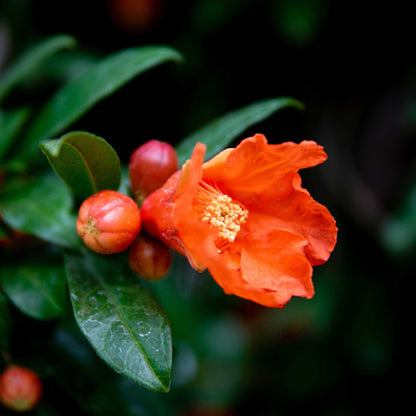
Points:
(109, 222)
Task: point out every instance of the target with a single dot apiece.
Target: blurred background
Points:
(352, 64)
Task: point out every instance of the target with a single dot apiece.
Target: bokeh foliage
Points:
(338, 353)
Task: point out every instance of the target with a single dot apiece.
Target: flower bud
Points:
(108, 222)
(20, 388)
(149, 257)
(135, 16)
(150, 166)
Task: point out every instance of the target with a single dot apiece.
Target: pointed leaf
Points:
(31, 59)
(86, 163)
(101, 80)
(10, 124)
(41, 207)
(222, 131)
(127, 328)
(37, 288)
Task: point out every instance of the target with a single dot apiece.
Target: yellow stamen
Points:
(221, 212)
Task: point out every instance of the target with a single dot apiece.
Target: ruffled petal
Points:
(255, 165)
(301, 214)
(275, 259)
(197, 238)
(191, 174)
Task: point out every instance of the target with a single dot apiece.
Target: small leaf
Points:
(86, 163)
(101, 80)
(31, 59)
(10, 124)
(37, 288)
(4, 323)
(41, 207)
(127, 328)
(222, 131)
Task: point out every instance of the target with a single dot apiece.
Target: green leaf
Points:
(31, 59)
(4, 323)
(127, 328)
(398, 232)
(3, 232)
(101, 80)
(222, 131)
(86, 163)
(37, 288)
(10, 124)
(41, 207)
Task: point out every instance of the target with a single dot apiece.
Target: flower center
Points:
(90, 227)
(225, 215)
(221, 212)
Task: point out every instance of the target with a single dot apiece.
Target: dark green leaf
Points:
(3, 231)
(10, 124)
(41, 207)
(101, 80)
(300, 22)
(4, 323)
(36, 288)
(126, 326)
(222, 131)
(86, 163)
(398, 232)
(30, 60)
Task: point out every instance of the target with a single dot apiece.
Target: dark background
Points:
(352, 64)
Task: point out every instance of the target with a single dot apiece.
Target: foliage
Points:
(118, 315)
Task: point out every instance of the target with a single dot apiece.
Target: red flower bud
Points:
(108, 222)
(150, 166)
(20, 388)
(135, 16)
(149, 257)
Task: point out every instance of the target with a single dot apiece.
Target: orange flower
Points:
(245, 217)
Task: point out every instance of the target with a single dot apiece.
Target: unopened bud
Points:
(150, 166)
(135, 16)
(149, 257)
(108, 222)
(20, 388)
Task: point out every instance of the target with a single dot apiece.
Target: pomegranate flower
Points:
(245, 217)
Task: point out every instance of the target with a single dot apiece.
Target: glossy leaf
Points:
(27, 64)
(10, 124)
(4, 323)
(86, 163)
(125, 325)
(37, 288)
(222, 131)
(41, 207)
(101, 80)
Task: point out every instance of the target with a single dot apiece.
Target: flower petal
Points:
(300, 213)
(197, 238)
(254, 165)
(191, 173)
(275, 260)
